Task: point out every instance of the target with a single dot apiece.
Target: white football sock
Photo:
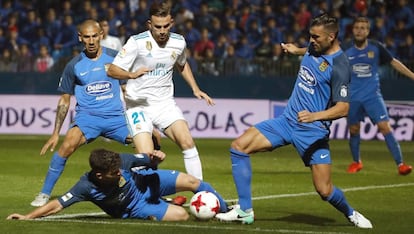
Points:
(192, 163)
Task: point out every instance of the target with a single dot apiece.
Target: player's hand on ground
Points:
(306, 116)
(51, 143)
(140, 72)
(16, 216)
(202, 95)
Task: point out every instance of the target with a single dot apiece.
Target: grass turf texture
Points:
(285, 201)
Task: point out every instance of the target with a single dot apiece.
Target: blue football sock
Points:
(338, 200)
(204, 186)
(57, 164)
(394, 147)
(242, 176)
(354, 142)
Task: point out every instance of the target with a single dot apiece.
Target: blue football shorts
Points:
(310, 141)
(374, 108)
(145, 210)
(113, 127)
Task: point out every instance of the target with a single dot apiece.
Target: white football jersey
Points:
(142, 50)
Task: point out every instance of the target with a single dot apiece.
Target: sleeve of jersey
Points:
(127, 55)
(341, 76)
(77, 193)
(182, 58)
(67, 80)
(134, 160)
(385, 57)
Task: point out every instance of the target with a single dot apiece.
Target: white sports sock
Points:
(192, 163)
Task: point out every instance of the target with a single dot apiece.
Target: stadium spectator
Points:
(25, 60)
(208, 64)
(215, 29)
(254, 33)
(406, 49)
(265, 49)
(8, 61)
(142, 13)
(65, 39)
(304, 124)
(202, 45)
(41, 39)
(29, 25)
(232, 32)
(108, 40)
(221, 47)
(14, 40)
(190, 33)
(133, 193)
(97, 113)
(149, 94)
(203, 18)
(51, 24)
(44, 61)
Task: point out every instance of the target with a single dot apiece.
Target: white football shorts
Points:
(161, 115)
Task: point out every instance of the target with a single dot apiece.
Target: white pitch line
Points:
(65, 217)
(159, 224)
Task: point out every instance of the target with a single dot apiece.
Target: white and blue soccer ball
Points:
(204, 205)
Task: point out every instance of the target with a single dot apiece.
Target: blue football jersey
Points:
(365, 64)
(95, 92)
(321, 82)
(117, 202)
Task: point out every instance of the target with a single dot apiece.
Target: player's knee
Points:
(67, 149)
(323, 191)
(186, 182)
(354, 129)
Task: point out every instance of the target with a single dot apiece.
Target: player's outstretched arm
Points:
(50, 208)
(118, 73)
(189, 78)
(293, 49)
(401, 68)
(61, 112)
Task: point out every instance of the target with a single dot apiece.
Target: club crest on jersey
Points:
(344, 91)
(148, 46)
(138, 127)
(121, 182)
(323, 66)
(173, 55)
(371, 54)
(306, 75)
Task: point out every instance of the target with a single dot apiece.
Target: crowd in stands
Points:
(37, 35)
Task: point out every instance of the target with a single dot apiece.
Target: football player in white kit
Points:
(147, 60)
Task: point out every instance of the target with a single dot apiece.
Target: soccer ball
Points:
(204, 205)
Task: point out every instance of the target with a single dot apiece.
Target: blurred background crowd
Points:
(41, 35)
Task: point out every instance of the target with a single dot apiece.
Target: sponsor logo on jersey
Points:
(307, 76)
(98, 88)
(362, 69)
(323, 66)
(121, 53)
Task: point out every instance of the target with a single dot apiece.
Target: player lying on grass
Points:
(125, 186)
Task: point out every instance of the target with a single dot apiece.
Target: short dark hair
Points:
(161, 9)
(102, 160)
(362, 20)
(329, 22)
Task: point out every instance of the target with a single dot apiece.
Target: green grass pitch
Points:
(284, 198)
